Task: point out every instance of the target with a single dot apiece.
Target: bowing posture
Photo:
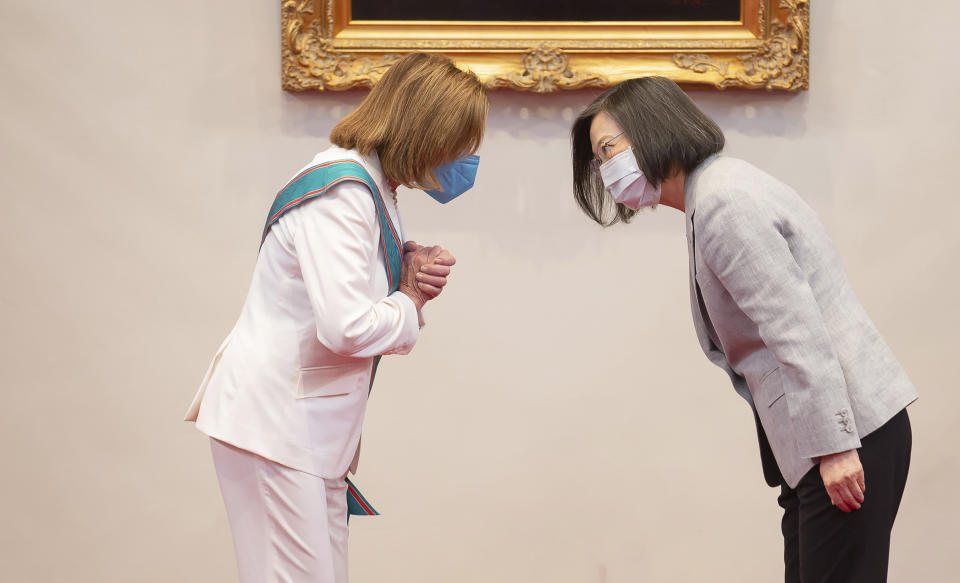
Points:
(333, 290)
(773, 308)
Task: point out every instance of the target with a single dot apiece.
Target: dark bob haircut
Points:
(668, 132)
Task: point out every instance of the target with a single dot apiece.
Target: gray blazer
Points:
(773, 307)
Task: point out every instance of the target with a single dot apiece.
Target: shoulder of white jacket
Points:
(371, 163)
(346, 199)
(335, 153)
(328, 155)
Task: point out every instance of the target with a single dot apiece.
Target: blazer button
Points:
(845, 421)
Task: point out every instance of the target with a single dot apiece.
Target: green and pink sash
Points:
(314, 182)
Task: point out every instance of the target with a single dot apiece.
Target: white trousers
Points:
(288, 526)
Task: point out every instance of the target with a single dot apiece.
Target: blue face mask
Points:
(455, 178)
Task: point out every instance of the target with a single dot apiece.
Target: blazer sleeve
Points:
(337, 238)
(741, 243)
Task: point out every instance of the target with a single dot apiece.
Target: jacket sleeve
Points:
(337, 240)
(742, 244)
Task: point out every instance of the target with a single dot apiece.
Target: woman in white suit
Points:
(333, 289)
(773, 307)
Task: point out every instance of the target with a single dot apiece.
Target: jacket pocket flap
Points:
(771, 388)
(331, 380)
(194, 411)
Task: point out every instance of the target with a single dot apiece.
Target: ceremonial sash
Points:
(314, 182)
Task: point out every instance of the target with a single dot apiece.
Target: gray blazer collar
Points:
(689, 204)
(690, 186)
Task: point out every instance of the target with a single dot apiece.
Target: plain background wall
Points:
(557, 421)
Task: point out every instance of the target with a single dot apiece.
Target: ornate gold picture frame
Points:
(767, 48)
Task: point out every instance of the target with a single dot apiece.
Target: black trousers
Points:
(823, 544)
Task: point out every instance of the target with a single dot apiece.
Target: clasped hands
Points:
(424, 272)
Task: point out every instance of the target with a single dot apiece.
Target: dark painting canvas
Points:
(540, 10)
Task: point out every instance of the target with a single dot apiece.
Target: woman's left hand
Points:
(843, 478)
(432, 276)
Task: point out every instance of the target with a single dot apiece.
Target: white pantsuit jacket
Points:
(290, 382)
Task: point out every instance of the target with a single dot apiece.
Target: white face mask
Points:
(626, 183)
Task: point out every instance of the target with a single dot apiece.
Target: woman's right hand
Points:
(424, 272)
(843, 479)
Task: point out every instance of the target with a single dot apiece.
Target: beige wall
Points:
(557, 422)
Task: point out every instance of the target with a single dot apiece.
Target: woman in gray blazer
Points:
(773, 307)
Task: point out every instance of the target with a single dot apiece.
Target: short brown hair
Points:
(422, 113)
(668, 132)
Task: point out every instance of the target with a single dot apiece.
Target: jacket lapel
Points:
(701, 320)
(699, 317)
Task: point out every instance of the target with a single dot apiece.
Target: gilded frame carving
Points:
(323, 49)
